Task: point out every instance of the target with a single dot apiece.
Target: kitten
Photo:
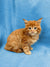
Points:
(21, 40)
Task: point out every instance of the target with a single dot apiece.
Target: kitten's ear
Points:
(25, 21)
(39, 21)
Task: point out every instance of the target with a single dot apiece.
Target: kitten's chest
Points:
(33, 40)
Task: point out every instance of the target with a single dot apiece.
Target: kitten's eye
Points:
(35, 28)
(29, 27)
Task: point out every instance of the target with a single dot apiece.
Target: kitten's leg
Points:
(30, 47)
(18, 50)
(26, 50)
(10, 48)
(25, 46)
(14, 50)
(7, 47)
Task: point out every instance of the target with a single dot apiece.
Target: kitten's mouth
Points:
(33, 33)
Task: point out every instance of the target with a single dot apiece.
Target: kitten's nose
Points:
(32, 32)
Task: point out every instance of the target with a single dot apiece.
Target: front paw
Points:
(31, 48)
(28, 53)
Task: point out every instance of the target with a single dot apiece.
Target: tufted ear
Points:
(25, 21)
(39, 21)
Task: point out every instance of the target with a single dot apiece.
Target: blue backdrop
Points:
(11, 14)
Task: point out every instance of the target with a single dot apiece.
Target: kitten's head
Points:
(33, 27)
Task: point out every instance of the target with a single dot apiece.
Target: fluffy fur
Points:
(21, 40)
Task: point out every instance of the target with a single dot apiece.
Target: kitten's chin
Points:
(32, 34)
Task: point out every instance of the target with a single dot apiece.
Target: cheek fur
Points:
(39, 30)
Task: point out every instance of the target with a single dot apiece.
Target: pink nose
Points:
(32, 32)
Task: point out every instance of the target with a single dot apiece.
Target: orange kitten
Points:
(21, 40)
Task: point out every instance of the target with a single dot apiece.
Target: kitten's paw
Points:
(31, 48)
(28, 53)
